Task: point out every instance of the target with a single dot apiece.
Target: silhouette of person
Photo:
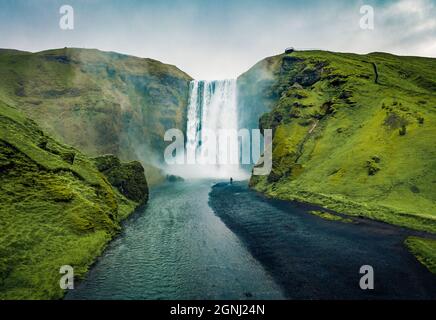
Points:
(231, 180)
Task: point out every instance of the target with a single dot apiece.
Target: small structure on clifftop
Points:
(289, 50)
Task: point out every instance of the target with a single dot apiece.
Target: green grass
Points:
(424, 250)
(53, 211)
(329, 216)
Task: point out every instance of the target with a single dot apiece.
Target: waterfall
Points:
(212, 107)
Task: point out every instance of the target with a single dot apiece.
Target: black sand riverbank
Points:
(313, 258)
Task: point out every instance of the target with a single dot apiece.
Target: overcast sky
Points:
(219, 39)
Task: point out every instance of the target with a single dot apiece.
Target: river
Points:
(177, 248)
(201, 240)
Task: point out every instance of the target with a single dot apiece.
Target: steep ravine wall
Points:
(99, 102)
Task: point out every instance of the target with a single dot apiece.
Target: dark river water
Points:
(201, 240)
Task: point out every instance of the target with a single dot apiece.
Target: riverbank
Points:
(423, 249)
(349, 207)
(313, 258)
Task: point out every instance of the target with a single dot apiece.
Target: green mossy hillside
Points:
(348, 141)
(56, 209)
(99, 102)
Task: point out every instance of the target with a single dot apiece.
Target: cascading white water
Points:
(212, 107)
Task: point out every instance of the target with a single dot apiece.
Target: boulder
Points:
(128, 178)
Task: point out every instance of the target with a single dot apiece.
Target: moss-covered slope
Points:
(99, 102)
(128, 178)
(354, 133)
(56, 208)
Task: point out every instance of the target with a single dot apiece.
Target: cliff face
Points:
(56, 207)
(257, 92)
(99, 102)
(349, 138)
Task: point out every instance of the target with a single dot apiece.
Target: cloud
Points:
(409, 27)
(220, 39)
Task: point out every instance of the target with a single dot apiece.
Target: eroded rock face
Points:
(99, 102)
(128, 178)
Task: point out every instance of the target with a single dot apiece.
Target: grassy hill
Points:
(99, 102)
(353, 133)
(57, 208)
